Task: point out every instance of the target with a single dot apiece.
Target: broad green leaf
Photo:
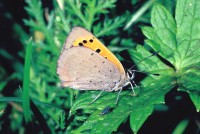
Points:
(188, 33)
(195, 97)
(190, 80)
(178, 40)
(162, 37)
(139, 116)
(188, 52)
(128, 105)
(152, 64)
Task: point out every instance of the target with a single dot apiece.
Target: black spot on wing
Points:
(80, 44)
(98, 50)
(91, 40)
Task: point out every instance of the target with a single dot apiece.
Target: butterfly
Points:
(86, 64)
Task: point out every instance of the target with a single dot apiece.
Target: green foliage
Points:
(151, 92)
(175, 40)
(26, 81)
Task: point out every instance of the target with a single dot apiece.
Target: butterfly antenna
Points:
(144, 60)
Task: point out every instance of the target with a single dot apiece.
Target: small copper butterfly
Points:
(86, 64)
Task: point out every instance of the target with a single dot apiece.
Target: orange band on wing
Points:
(94, 44)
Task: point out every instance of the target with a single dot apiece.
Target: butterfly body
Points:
(86, 64)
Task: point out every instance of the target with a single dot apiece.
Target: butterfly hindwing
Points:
(83, 69)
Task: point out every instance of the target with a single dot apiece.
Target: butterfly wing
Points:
(76, 33)
(84, 69)
(82, 37)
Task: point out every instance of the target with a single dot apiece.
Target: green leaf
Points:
(151, 65)
(139, 116)
(88, 11)
(128, 105)
(162, 37)
(191, 79)
(135, 17)
(110, 27)
(26, 81)
(188, 33)
(37, 21)
(188, 54)
(178, 41)
(20, 100)
(195, 96)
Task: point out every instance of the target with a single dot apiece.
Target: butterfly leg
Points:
(97, 96)
(133, 83)
(132, 72)
(118, 95)
(131, 78)
(134, 94)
